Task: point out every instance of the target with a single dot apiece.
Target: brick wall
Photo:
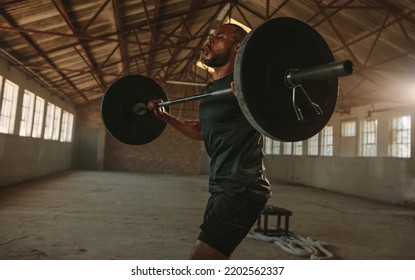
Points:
(171, 153)
(89, 116)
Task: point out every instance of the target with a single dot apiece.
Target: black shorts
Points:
(229, 217)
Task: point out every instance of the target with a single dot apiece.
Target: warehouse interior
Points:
(70, 190)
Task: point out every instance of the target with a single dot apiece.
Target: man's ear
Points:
(237, 46)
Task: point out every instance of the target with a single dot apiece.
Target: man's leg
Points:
(227, 220)
(202, 251)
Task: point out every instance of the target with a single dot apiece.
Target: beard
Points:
(217, 59)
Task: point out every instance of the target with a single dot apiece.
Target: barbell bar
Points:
(286, 83)
(293, 79)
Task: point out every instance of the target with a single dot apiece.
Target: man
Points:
(237, 183)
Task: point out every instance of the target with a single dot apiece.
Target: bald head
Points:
(238, 32)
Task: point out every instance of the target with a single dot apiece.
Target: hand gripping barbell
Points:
(285, 77)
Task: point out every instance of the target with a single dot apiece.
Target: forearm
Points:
(187, 127)
(190, 128)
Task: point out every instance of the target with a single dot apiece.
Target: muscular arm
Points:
(190, 128)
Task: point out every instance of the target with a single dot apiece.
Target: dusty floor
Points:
(110, 215)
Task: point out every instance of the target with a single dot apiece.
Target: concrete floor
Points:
(110, 215)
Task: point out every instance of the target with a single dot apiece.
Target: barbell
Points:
(286, 83)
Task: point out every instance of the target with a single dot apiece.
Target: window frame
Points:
(403, 134)
(9, 100)
(368, 136)
(327, 139)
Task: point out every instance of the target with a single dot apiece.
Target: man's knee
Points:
(203, 251)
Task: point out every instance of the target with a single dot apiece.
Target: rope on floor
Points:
(297, 245)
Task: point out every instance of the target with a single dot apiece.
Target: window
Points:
(348, 128)
(52, 122)
(298, 148)
(50, 110)
(327, 141)
(287, 148)
(38, 117)
(272, 147)
(313, 145)
(66, 127)
(268, 145)
(401, 137)
(8, 108)
(276, 147)
(28, 108)
(369, 138)
(56, 123)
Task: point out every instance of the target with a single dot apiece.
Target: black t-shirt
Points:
(234, 146)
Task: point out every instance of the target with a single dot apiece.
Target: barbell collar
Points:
(334, 70)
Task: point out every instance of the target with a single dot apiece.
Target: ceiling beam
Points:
(122, 49)
(65, 11)
(38, 50)
(103, 38)
(338, 34)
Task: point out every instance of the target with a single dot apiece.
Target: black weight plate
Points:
(261, 64)
(117, 110)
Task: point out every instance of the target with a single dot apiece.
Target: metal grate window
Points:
(369, 138)
(288, 148)
(298, 148)
(401, 137)
(66, 127)
(276, 147)
(56, 123)
(272, 147)
(28, 108)
(348, 128)
(327, 141)
(313, 145)
(50, 110)
(52, 122)
(38, 117)
(8, 108)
